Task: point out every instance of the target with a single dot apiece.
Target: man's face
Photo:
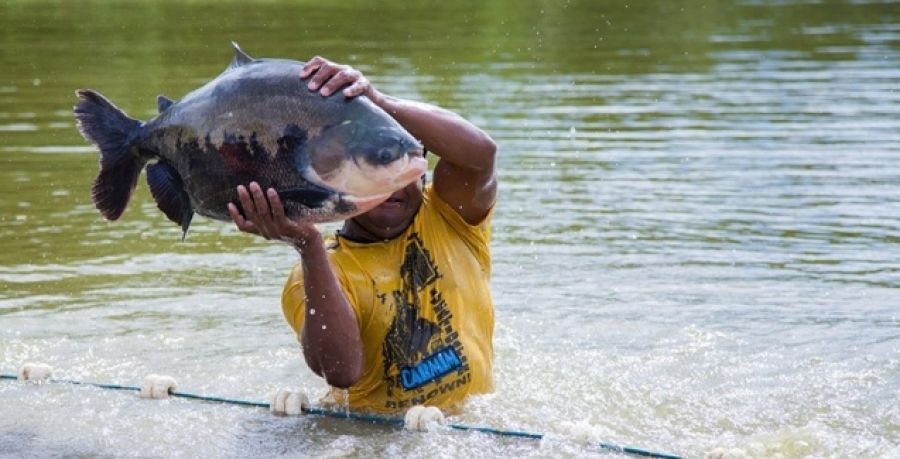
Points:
(391, 217)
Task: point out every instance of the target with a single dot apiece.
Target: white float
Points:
(35, 372)
(727, 453)
(289, 402)
(157, 386)
(423, 418)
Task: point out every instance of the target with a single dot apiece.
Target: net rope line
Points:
(371, 418)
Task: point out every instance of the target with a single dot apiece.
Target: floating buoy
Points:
(35, 372)
(288, 402)
(580, 432)
(157, 386)
(423, 418)
(726, 453)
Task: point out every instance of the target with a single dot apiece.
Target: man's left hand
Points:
(328, 77)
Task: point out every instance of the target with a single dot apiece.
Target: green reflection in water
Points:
(132, 51)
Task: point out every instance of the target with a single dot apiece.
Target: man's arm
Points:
(331, 340)
(465, 177)
(332, 345)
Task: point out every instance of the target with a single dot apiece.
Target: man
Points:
(397, 310)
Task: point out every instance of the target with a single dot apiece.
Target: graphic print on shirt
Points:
(420, 354)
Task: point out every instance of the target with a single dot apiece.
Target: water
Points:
(696, 245)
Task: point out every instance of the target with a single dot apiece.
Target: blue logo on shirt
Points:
(433, 367)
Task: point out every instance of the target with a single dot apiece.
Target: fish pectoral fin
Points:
(167, 189)
(163, 103)
(308, 197)
(186, 218)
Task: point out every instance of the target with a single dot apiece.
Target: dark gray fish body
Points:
(329, 157)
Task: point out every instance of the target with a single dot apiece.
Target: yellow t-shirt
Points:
(424, 308)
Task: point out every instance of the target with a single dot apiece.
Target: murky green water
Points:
(696, 246)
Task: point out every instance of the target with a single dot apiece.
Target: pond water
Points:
(697, 243)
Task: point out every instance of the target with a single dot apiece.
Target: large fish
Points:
(329, 157)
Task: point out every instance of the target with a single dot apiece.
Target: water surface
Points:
(696, 244)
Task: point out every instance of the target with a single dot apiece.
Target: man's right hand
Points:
(264, 216)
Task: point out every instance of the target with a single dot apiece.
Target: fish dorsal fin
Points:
(240, 57)
(163, 103)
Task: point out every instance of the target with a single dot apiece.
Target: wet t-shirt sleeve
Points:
(476, 237)
(293, 298)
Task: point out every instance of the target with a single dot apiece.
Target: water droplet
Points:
(312, 311)
(324, 327)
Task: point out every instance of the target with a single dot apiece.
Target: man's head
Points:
(390, 218)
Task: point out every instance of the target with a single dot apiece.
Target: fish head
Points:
(365, 159)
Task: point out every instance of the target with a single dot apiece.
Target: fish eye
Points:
(384, 155)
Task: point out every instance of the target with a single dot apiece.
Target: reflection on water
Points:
(696, 243)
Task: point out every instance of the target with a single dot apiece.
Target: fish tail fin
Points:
(113, 132)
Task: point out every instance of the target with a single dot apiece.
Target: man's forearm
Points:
(443, 132)
(331, 340)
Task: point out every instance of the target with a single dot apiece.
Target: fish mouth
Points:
(415, 167)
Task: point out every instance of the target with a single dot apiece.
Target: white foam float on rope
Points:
(35, 372)
(423, 418)
(726, 453)
(289, 402)
(157, 386)
(581, 432)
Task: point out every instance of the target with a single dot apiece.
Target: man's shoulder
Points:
(436, 208)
